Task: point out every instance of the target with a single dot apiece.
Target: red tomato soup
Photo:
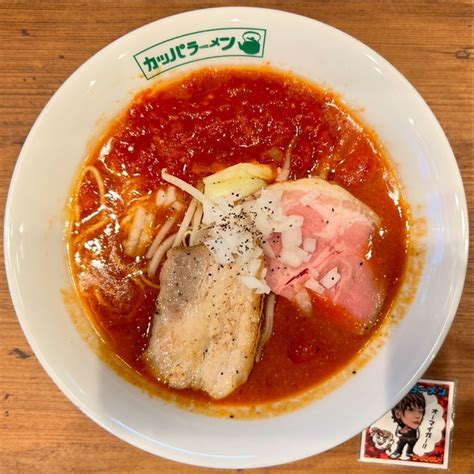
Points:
(193, 127)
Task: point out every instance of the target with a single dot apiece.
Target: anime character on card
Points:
(408, 414)
(416, 431)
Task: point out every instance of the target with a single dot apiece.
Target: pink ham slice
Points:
(342, 227)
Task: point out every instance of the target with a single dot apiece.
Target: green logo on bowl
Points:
(199, 46)
(251, 42)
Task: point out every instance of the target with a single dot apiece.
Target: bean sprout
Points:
(186, 187)
(285, 170)
(197, 218)
(185, 223)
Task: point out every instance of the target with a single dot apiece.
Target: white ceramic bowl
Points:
(57, 144)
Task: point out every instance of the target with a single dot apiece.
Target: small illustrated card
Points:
(416, 432)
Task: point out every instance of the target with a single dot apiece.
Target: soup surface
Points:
(193, 127)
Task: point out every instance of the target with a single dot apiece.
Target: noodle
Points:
(126, 220)
(100, 184)
(201, 234)
(100, 181)
(145, 280)
(160, 252)
(165, 228)
(101, 299)
(77, 211)
(97, 292)
(117, 262)
(90, 230)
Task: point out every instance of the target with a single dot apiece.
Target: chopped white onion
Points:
(291, 237)
(270, 197)
(263, 211)
(221, 253)
(289, 222)
(253, 283)
(254, 266)
(235, 227)
(263, 223)
(309, 245)
(293, 257)
(213, 214)
(313, 285)
(268, 250)
(331, 278)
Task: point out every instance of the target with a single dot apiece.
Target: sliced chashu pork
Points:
(342, 227)
(207, 325)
